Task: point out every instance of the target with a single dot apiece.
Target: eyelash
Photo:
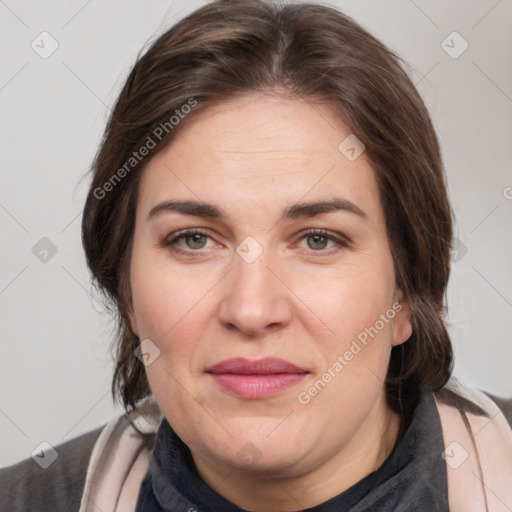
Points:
(171, 243)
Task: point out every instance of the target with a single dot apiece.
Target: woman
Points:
(268, 213)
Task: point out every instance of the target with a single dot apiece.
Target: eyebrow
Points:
(293, 212)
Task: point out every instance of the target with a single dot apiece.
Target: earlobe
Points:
(402, 326)
(402, 333)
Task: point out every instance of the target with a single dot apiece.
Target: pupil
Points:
(318, 239)
(196, 240)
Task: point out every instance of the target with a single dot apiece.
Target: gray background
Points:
(55, 366)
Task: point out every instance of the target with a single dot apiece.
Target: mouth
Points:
(254, 379)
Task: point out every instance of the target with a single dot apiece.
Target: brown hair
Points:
(230, 48)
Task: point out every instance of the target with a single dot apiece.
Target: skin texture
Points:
(304, 299)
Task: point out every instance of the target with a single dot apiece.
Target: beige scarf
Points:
(477, 438)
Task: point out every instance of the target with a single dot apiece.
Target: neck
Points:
(314, 484)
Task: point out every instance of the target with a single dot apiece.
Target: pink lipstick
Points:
(256, 378)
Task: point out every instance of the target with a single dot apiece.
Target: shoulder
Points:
(504, 404)
(478, 447)
(93, 456)
(26, 486)
(476, 402)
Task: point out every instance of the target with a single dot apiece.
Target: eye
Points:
(191, 241)
(194, 240)
(318, 240)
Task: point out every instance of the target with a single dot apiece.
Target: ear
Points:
(402, 326)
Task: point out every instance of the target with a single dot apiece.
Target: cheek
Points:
(349, 299)
(357, 345)
(173, 315)
(171, 307)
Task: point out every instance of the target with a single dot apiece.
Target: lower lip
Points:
(256, 386)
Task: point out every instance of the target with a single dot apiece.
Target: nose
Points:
(255, 299)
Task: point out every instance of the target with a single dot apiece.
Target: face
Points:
(262, 273)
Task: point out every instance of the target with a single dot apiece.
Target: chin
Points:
(252, 448)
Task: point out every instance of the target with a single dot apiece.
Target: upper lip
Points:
(265, 366)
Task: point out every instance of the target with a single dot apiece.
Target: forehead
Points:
(265, 128)
(257, 150)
